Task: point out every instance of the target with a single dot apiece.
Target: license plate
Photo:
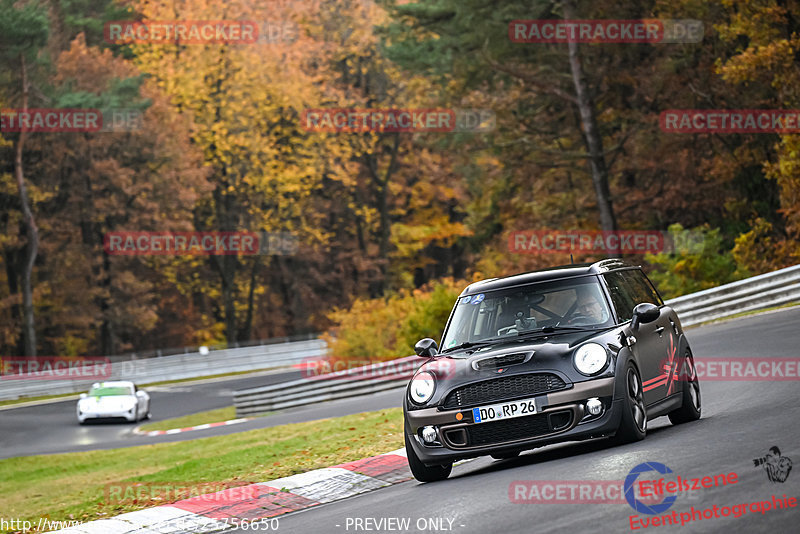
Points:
(504, 410)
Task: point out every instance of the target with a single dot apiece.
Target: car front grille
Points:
(503, 431)
(505, 388)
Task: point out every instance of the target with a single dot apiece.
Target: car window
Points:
(507, 312)
(629, 288)
(622, 295)
(642, 288)
(110, 391)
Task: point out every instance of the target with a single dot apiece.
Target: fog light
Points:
(428, 434)
(594, 406)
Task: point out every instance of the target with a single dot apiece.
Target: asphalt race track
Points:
(53, 428)
(741, 421)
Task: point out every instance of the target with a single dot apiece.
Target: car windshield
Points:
(577, 303)
(110, 391)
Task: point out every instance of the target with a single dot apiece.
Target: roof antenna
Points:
(571, 261)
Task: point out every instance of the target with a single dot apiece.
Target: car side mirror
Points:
(426, 347)
(644, 313)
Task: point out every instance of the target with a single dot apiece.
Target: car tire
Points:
(422, 472)
(691, 405)
(633, 426)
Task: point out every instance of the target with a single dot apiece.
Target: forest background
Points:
(390, 226)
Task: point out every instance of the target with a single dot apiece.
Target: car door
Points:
(667, 330)
(650, 348)
(661, 346)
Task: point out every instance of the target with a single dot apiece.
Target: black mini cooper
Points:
(564, 354)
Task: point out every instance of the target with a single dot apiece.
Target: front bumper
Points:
(115, 414)
(560, 416)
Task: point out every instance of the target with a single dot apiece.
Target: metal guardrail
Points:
(160, 353)
(762, 291)
(317, 388)
(766, 290)
(176, 367)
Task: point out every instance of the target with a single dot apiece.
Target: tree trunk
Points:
(107, 342)
(28, 324)
(247, 328)
(591, 133)
(382, 204)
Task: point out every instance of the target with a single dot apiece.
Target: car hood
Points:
(543, 353)
(108, 403)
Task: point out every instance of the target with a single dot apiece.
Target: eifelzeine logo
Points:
(777, 467)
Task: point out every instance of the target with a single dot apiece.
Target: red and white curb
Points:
(189, 428)
(226, 509)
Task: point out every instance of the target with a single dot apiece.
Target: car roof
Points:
(551, 273)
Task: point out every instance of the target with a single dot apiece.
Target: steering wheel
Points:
(580, 317)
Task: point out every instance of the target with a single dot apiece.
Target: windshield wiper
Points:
(551, 329)
(468, 344)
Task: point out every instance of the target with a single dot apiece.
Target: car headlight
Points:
(590, 358)
(422, 386)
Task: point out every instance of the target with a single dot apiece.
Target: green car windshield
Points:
(110, 391)
(505, 313)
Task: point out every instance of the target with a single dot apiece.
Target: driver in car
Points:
(589, 306)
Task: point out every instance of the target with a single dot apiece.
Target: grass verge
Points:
(201, 418)
(73, 486)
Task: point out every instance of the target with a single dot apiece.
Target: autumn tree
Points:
(766, 40)
(23, 32)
